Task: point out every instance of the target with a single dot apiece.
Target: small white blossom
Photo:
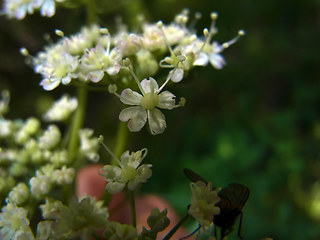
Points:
(40, 185)
(20, 8)
(29, 128)
(64, 175)
(14, 224)
(19, 194)
(50, 138)
(129, 173)
(56, 66)
(61, 109)
(145, 106)
(89, 145)
(99, 60)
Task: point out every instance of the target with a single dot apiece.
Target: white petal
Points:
(113, 70)
(166, 100)
(201, 59)
(66, 80)
(115, 187)
(48, 8)
(177, 75)
(136, 116)
(95, 76)
(217, 61)
(157, 122)
(130, 97)
(150, 85)
(49, 84)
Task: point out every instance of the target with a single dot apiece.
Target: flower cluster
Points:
(20, 8)
(34, 160)
(95, 55)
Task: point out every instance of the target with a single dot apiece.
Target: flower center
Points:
(128, 173)
(149, 101)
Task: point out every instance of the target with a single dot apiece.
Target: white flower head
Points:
(146, 105)
(129, 173)
(50, 138)
(14, 223)
(99, 60)
(61, 109)
(89, 145)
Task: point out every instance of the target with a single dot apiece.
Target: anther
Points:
(24, 52)
(59, 33)
(104, 31)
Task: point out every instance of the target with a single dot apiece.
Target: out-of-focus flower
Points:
(89, 145)
(14, 223)
(20, 8)
(61, 109)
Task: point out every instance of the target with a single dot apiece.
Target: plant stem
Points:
(91, 11)
(77, 123)
(176, 227)
(121, 140)
(133, 208)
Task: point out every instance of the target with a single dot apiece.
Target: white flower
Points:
(40, 185)
(19, 8)
(61, 109)
(89, 146)
(146, 106)
(99, 60)
(56, 66)
(129, 173)
(19, 194)
(6, 128)
(14, 224)
(210, 53)
(50, 138)
(63, 176)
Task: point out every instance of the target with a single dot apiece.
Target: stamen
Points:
(197, 17)
(167, 80)
(235, 39)
(100, 140)
(112, 88)
(160, 25)
(128, 64)
(206, 34)
(24, 52)
(59, 33)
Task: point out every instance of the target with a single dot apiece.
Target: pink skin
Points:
(89, 182)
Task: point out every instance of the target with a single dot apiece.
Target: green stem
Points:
(91, 11)
(176, 227)
(121, 142)
(77, 123)
(133, 208)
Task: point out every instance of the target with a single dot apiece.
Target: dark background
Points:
(255, 122)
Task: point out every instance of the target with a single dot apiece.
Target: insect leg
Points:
(239, 228)
(189, 235)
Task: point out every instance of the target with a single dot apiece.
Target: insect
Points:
(232, 199)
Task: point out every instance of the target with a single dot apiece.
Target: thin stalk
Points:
(133, 208)
(176, 227)
(77, 123)
(121, 140)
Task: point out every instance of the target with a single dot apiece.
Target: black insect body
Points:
(232, 199)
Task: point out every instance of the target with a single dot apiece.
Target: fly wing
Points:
(236, 194)
(194, 177)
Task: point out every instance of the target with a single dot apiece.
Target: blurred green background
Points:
(256, 122)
